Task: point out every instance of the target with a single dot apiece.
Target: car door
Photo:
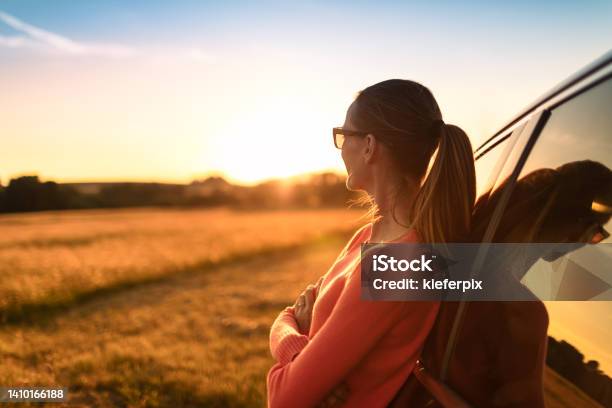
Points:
(555, 185)
(569, 169)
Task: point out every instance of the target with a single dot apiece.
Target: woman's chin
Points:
(353, 184)
(349, 184)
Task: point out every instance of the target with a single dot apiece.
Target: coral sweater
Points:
(371, 346)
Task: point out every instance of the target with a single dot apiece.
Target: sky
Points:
(178, 90)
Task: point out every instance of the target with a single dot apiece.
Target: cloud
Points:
(32, 37)
(36, 38)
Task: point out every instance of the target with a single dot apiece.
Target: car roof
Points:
(564, 90)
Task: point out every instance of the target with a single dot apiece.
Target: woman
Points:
(330, 346)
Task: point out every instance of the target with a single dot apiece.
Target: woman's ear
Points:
(371, 146)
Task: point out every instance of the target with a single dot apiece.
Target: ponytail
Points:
(442, 209)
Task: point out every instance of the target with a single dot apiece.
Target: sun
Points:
(278, 139)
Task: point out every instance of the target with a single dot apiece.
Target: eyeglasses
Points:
(390, 135)
(340, 135)
(594, 231)
(598, 234)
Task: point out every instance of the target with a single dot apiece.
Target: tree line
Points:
(566, 360)
(29, 193)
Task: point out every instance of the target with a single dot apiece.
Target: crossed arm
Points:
(307, 370)
(287, 336)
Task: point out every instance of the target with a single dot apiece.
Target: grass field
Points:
(162, 308)
(56, 258)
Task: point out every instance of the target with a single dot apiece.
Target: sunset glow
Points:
(159, 94)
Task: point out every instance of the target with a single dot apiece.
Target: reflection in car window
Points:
(564, 194)
(580, 131)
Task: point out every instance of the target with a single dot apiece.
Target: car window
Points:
(575, 149)
(563, 194)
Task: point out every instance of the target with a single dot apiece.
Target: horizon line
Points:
(148, 180)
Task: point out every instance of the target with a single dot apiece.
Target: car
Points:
(543, 177)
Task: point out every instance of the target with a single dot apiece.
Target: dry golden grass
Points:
(190, 339)
(56, 257)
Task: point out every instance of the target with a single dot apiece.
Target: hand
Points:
(337, 397)
(303, 308)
